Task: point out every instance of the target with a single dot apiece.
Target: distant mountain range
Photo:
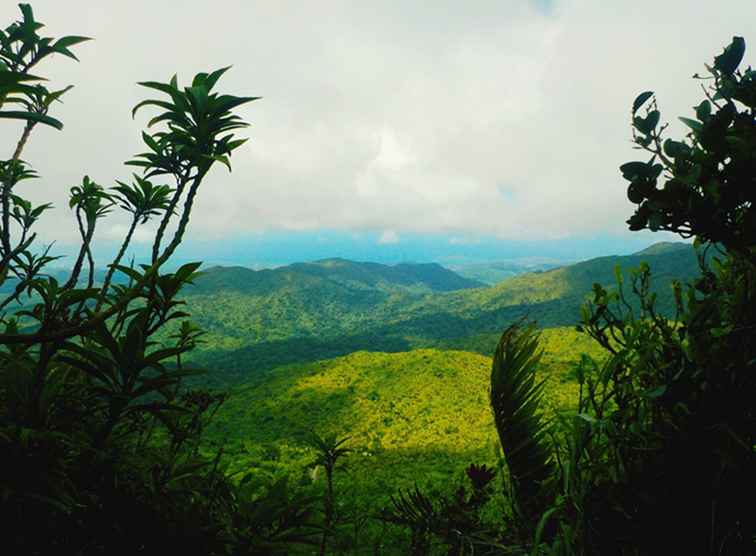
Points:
(257, 320)
(417, 278)
(494, 272)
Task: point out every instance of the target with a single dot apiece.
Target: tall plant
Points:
(660, 456)
(516, 396)
(99, 439)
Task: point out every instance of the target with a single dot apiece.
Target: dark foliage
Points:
(100, 445)
(660, 456)
(452, 522)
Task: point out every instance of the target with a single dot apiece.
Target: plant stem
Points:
(7, 187)
(116, 262)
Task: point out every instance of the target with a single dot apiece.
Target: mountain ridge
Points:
(431, 277)
(310, 318)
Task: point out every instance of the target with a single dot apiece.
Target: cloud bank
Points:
(503, 119)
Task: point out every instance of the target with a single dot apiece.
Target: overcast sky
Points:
(500, 118)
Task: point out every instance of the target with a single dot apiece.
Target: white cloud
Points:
(387, 116)
(388, 237)
(464, 241)
(142, 234)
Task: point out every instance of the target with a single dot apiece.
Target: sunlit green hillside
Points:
(419, 416)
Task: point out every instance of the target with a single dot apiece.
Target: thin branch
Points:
(86, 237)
(6, 192)
(181, 182)
(116, 262)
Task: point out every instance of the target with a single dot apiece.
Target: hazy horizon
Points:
(275, 250)
(386, 132)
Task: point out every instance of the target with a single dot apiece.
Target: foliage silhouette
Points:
(659, 456)
(516, 398)
(101, 445)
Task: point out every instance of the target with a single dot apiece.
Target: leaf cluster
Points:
(702, 185)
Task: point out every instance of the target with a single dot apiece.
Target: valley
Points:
(396, 359)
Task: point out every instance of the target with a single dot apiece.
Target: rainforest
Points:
(151, 404)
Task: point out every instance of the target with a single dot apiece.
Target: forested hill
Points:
(312, 311)
(351, 275)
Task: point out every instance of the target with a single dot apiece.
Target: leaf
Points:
(648, 124)
(641, 99)
(8, 78)
(703, 111)
(26, 11)
(222, 159)
(655, 221)
(632, 170)
(55, 95)
(655, 392)
(187, 270)
(516, 399)
(212, 79)
(61, 45)
(67, 42)
(692, 124)
(130, 272)
(540, 528)
(675, 149)
(730, 59)
(32, 116)
(149, 102)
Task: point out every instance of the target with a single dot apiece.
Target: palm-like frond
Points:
(200, 126)
(143, 199)
(516, 398)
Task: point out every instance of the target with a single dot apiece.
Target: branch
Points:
(6, 192)
(86, 239)
(181, 182)
(116, 262)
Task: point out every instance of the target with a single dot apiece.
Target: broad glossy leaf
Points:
(641, 99)
(730, 59)
(632, 170)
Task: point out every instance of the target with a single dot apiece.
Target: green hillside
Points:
(417, 417)
(494, 272)
(261, 320)
(348, 275)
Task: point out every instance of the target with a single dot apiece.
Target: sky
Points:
(387, 130)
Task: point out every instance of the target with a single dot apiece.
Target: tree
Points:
(660, 456)
(329, 450)
(100, 441)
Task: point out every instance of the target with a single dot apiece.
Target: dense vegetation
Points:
(634, 433)
(100, 445)
(255, 321)
(494, 272)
